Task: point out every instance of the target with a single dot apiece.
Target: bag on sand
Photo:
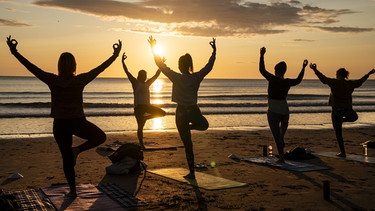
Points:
(298, 153)
(125, 159)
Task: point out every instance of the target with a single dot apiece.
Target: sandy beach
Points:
(352, 183)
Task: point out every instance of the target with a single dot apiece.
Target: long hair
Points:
(185, 64)
(67, 65)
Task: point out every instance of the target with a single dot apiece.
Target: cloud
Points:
(345, 29)
(205, 17)
(14, 23)
(324, 16)
(303, 40)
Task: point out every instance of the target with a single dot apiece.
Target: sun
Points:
(158, 50)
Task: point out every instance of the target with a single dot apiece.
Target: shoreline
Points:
(42, 127)
(239, 128)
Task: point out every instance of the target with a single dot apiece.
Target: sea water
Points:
(226, 103)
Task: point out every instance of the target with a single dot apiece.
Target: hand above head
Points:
(159, 60)
(305, 63)
(371, 72)
(213, 44)
(313, 66)
(124, 57)
(262, 51)
(152, 42)
(12, 43)
(117, 48)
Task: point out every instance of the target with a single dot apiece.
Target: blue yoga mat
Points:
(288, 165)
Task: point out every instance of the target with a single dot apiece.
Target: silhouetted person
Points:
(340, 99)
(67, 106)
(278, 109)
(185, 94)
(143, 110)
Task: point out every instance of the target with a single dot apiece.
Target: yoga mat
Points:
(206, 181)
(359, 158)
(89, 197)
(150, 146)
(120, 195)
(288, 165)
(32, 200)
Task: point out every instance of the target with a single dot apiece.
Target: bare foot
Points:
(281, 160)
(71, 194)
(190, 176)
(343, 155)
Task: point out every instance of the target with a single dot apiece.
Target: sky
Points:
(330, 33)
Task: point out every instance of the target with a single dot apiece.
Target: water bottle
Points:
(270, 150)
(365, 149)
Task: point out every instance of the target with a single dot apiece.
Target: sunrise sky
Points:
(331, 33)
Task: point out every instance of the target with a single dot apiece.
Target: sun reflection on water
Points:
(156, 124)
(156, 88)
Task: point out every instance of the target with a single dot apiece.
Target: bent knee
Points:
(201, 127)
(101, 138)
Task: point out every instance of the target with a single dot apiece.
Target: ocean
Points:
(226, 103)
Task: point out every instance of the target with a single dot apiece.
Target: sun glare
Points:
(158, 50)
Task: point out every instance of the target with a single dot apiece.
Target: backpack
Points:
(298, 153)
(127, 158)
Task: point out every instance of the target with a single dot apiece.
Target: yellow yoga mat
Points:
(203, 180)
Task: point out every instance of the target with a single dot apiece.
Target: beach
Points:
(352, 184)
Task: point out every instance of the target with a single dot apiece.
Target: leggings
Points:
(63, 131)
(189, 118)
(278, 124)
(338, 117)
(142, 114)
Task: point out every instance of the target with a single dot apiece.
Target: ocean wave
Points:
(171, 111)
(296, 103)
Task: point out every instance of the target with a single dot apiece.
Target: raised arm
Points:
(211, 61)
(158, 60)
(91, 75)
(262, 68)
(131, 78)
(302, 73)
(360, 81)
(371, 72)
(153, 78)
(40, 74)
(320, 75)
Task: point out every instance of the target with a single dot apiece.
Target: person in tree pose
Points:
(143, 110)
(185, 94)
(67, 106)
(340, 99)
